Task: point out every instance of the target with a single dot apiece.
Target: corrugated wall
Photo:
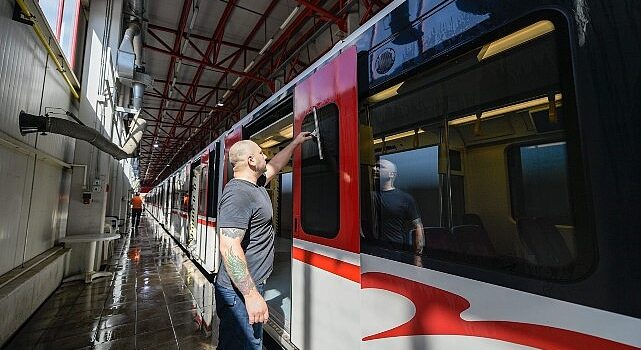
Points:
(34, 193)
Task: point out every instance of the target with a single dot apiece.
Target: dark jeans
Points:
(234, 331)
(135, 213)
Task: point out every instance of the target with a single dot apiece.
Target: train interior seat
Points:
(439, 238)
(472, 219)
(543, 241)
(473, 240)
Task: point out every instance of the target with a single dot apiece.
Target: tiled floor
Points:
(156, 299)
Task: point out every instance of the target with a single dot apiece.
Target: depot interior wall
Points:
(42, 200)
(34, 192)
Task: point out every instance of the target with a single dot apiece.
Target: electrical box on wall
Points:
(86, 197)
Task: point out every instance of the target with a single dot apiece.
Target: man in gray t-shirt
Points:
(247, 244)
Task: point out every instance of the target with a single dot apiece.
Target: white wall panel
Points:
(26, 83)
(12, 182)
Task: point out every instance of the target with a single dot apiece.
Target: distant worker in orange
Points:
(136, 209)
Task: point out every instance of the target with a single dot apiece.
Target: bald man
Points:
(247, 244)
(397, 210)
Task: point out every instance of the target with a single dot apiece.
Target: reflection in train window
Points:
(319, 177)
(480, 146)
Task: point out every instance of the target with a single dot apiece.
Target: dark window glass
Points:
(202, 191)
(320, 205)
(285, 212)
(478, 151)
(212, 196)
(538, 180)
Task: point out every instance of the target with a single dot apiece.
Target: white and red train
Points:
(512, 126)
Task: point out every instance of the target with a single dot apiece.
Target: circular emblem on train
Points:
(385, 61)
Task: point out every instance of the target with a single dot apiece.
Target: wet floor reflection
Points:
(156, 299)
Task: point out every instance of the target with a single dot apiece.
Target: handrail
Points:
(35, 261)
(36, 29)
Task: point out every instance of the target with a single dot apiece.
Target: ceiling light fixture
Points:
(269, 143)
(517, 38)
(220, 103)
(249, 66)
(289, 18)
(269, 42)
(400, 135)
(155, 145)
(287, 132)
(385, 94)
(507, 109)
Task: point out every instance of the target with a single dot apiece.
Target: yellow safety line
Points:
(36, 28)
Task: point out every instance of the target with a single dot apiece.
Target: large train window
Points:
(477, 158)
(320, 206)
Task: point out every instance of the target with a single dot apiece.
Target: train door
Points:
(325, 264)
(196, 173)
(203, 188)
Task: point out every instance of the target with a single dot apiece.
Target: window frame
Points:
(57, 31)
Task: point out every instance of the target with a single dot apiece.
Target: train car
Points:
(499, 133)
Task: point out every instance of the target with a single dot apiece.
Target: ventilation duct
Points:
(130, 56)
(30, 123)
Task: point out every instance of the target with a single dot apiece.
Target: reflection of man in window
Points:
(397, 211)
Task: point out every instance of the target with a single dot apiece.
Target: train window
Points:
(202, 191)
(319, 177)
(472, 158)
(212, 195)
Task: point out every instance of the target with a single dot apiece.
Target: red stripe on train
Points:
(335, 266)
(438, 313)
(207, 223)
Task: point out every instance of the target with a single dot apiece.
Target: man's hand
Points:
(302, 137)
(282, 158)
(256, 308)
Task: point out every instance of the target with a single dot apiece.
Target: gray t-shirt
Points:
(247, 206)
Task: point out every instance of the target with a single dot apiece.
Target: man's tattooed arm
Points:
(232, 232)
(234, 259)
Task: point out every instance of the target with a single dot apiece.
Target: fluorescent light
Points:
(561, 143)
(287, 132)
(269, 143)
(385, 94)
(469, 118)
(400, 135)
(269, 42)
(289, 18)
(507, 109)
(226, 94)
(519, 37)
(235, 82)
(249, 66)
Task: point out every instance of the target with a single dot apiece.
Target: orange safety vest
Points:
(136, 202)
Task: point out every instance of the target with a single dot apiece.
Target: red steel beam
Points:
(181, 28)
(201, 37)
(249, 38)
(213, 46)
(205, 63)
(342, 24)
